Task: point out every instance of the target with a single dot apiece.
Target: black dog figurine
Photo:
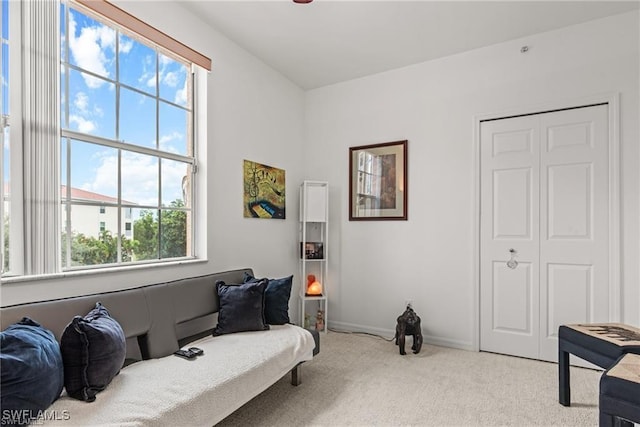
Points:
(409, 324)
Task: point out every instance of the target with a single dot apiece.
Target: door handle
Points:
(512, 263)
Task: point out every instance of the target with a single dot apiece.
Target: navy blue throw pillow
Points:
(31, 371)
(241, 307)
(93, 350)
(276, 299)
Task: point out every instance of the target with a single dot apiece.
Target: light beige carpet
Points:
(360, 380)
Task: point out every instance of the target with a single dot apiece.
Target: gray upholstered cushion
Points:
(153, 317)
(128, 306)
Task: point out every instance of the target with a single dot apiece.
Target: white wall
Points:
(253, 113)
(430, 258)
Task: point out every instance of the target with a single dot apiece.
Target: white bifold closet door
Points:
(544, 202)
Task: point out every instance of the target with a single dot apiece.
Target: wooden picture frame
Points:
(378, 182)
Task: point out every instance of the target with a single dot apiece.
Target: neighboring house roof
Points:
(78, 194)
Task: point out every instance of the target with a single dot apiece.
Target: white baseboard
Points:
(390, 333)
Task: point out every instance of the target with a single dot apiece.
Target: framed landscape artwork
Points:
(264, 191)
(378, 182)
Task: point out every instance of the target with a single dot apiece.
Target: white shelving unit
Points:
(314, 250)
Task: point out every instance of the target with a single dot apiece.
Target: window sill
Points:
(100, 271)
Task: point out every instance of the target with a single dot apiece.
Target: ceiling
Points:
(330, 41)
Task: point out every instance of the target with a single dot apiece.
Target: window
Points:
(122, 145)
(369, 178)
(127, 136)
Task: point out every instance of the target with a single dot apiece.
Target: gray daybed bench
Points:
(156, 388)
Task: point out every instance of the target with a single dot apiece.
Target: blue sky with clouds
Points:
(92, 109)
(162, 85)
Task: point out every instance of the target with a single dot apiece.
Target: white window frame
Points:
(198, 200)
(4, 122)
(16, 244)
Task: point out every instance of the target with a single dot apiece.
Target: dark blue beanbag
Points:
(93, 350)
(31, 371)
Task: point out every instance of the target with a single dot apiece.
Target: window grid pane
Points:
(131, 156)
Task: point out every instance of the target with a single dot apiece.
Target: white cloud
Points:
(82, 124)
(139, 178)
(148, 76)
(125, 46)
(181, 95)
(88, 50)
(170, 79)
(170, 137)
(83, 115)
(165, 141)
(105, 180)
(170, 74)
(165, 60)
(172, 175)
(98, 111)
(81, 102)
(107, 37)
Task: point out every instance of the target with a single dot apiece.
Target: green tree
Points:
(164, 239)
(88, 250)
(148, 242)
(173, 239)
(145, 232)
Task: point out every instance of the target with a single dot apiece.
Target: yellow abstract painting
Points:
(264, 191)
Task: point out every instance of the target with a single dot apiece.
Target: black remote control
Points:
(197, 351)
(186, 354)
